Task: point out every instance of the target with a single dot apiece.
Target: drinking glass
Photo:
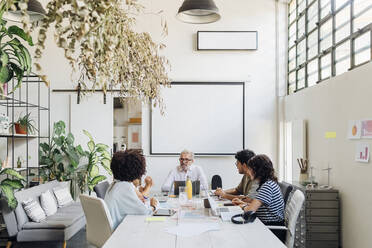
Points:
(182, 195)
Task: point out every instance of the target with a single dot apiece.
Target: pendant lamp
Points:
(198, 12)
(34, 10)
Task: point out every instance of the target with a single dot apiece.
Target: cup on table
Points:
(182, 195)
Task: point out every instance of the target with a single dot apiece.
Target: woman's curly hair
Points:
(128, 165)
(262, 168)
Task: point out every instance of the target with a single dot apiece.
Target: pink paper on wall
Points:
(366, 129)
(362, 152)
(135, 137)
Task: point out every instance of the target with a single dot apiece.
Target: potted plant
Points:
(60, 157)
(98, 155)
(24, 125)
(8, 185)
(15, 59)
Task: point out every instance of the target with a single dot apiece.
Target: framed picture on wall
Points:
(134, 136)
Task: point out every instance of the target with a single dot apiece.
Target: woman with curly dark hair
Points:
(121, 197)
(268, 203)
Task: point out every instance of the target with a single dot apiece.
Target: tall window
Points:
(326, 38)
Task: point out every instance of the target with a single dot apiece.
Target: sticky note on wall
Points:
(330, 135)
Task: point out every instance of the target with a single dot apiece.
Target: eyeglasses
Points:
(185, 159)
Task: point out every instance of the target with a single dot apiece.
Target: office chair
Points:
(292, 212)
(286, 189)
(101, 189)
(216, 182)
(99, 223)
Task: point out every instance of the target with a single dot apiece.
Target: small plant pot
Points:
(20, 129)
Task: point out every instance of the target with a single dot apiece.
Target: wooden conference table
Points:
(139, 231)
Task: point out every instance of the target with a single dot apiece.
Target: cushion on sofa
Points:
(64, 218)
(63, 196)
(48, 203)
(34, 193)
(33, 210)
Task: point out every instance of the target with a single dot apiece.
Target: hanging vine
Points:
(102, 46)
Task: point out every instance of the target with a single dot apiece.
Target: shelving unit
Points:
(318, 225)
(127, 125)
(32, 97)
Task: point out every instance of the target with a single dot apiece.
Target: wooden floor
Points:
(78, 241)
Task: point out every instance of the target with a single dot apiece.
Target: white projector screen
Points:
(206, 118)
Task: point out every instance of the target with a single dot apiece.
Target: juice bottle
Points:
(189, 188)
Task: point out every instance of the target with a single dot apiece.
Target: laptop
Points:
(195, 187)
(224, 211)
(163, 212)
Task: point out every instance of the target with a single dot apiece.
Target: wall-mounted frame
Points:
(227, 40)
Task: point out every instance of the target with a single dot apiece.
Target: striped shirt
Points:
(272, 209)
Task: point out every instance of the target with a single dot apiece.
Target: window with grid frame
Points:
(326, 38)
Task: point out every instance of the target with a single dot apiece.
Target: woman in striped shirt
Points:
(268, 203)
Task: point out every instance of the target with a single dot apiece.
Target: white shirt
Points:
(195, 173)
(121, 199)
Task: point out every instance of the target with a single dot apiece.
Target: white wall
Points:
(257, 67)
(328, 107)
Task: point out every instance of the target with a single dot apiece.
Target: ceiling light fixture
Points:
(34, 10)
(198, 12)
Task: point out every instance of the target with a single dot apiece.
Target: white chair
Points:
(292, 212)
(98, 218)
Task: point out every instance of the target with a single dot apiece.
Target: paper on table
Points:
(192, 229)
(152, 219)
(192, 215)
(226, 216)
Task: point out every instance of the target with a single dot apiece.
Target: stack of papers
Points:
(231, 211)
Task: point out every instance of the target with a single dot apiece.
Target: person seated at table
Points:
(143, 191)
(247, 187)
(121, 198)
(185, 169)
(268, 203)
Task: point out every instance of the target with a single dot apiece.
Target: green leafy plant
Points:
(9, 185)
(61, 157)
(98, 156)
(15, 59)
(26, 124)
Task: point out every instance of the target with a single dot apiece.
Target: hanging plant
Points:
(15, 59)
(100, 43)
